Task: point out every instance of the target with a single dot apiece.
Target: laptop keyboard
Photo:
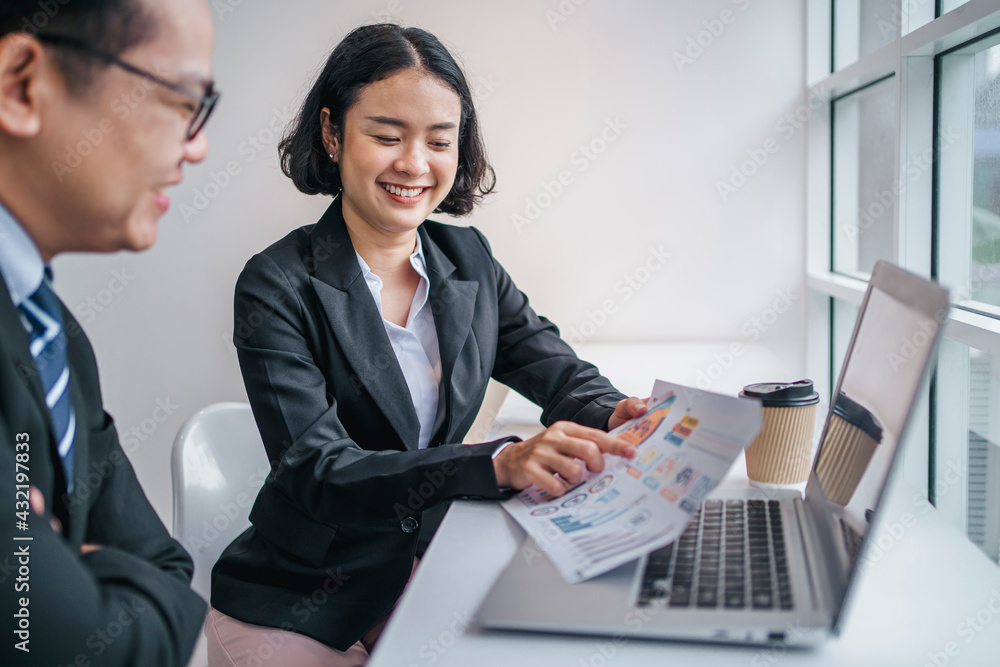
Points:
(730, 556)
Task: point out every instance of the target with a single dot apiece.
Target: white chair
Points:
(218, 465)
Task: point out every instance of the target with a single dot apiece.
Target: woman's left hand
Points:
(630, 408)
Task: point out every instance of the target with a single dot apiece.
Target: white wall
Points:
(544, 89)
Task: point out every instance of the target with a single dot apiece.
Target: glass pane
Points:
(985, 258)
(967, 444)
(984, 452)
(861, 27)
(948, 5)
(844, 316)
(983, 517)
(863, 170)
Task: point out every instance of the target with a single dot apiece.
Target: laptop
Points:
(762, 566)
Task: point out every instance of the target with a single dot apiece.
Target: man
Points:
(101, 104)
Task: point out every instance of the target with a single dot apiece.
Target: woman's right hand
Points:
(563, 448)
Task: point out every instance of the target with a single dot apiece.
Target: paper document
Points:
(685, 443)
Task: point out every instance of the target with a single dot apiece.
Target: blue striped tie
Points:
(48, 348)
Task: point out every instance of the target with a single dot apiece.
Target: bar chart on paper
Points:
(685, 443)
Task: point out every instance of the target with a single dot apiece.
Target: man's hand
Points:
(563, 448)
(37, 499)
(626, 410)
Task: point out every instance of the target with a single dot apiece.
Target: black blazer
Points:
(129, 603)
(335, 526)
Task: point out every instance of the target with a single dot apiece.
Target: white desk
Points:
(911, 603)
(910, 607)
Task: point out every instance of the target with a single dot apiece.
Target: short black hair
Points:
(368, 54)
(110, 25)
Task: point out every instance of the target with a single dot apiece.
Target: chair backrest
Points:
(218, 466)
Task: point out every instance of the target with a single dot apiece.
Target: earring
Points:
(331, 155)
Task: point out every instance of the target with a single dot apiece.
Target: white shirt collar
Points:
(21, 263)
(417, 261)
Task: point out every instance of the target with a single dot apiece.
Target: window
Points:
(967, 458)
(863, 160)
(983, 501)
(904, 165)
(861, 27)
(969, 201)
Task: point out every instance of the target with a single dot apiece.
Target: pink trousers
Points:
(233, 643)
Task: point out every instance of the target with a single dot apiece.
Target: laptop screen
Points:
(894, 339)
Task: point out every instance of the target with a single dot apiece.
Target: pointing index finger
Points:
(608, 444)
(621, 447)
(612, 444)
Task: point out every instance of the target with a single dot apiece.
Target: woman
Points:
(366, 342)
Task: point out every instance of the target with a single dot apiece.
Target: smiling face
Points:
(103, 159)
(399, 152)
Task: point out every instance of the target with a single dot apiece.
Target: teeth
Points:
(402, 192)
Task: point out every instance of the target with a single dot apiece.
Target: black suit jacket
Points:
(338, 521)
(130, 602)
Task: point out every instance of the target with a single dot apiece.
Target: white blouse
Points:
(416, 346)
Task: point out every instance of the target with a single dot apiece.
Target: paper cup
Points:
(782, 451)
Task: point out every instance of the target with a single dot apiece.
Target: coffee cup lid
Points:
(782, 394)
(857, 415)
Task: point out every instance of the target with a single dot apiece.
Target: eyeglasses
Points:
(206, 102)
